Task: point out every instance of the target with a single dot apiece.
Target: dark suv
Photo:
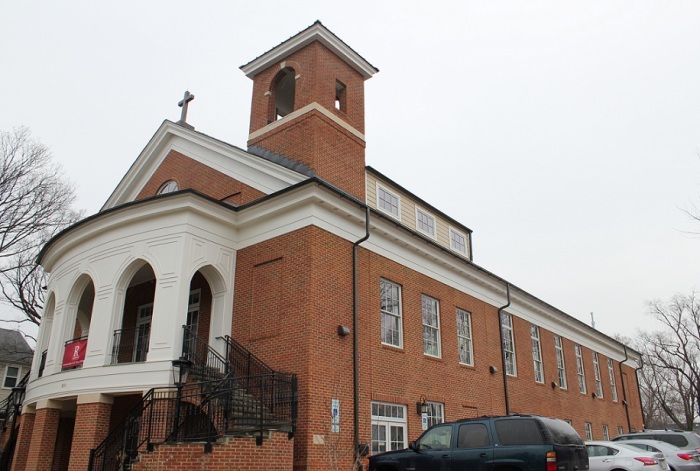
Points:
(512, 443)
(680, 438)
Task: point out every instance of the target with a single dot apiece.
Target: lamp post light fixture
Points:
(183, 366)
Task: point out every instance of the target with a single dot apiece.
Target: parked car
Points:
(680, 438)
(611, 456)
(677, 458)
(515, 442)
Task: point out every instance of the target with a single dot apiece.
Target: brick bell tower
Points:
(309, 105)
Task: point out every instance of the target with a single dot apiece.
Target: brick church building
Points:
(286, 306)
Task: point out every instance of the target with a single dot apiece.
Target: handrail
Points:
(231, 404)
(207, 363)
(243, 361)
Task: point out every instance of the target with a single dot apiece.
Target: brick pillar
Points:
(24, 438)
(43, 442)
(91, 427)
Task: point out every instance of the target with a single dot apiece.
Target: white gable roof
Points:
(254, 171)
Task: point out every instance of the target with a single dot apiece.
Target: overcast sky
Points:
(564, 134)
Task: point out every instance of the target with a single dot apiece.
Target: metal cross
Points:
(183, 104)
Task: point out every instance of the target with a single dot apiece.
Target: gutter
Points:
(503, 353)
(355, 360)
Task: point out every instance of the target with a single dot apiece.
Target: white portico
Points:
(139, 264)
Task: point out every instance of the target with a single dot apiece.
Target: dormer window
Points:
(341, 103)
(388, 202)
(425, 223)
(283, 89)
(458, 241)
(168, 187)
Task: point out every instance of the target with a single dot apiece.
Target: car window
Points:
(562, 433)
(674, 439)
(437, 438)
(519, 432)
(600, 450)
(473, 436)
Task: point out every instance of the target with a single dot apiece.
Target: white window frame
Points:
(144, 317)
(427, 215)
(620, 430)
(561, 366)
(589, 431)
(386, 314)
(464, 339)
(597, 375)
(397, 419)
(436, 413)
(580, 371)
(508, 341)
(613, 384)
(5, 376)
(429, 327)
(398, 202)
(537, 365)
(606, 433)
(454, 231)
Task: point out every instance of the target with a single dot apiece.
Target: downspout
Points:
(624, 390)
(503, 353)
(639, 392)
(355, 367)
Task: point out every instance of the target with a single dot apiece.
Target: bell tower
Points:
(308, 105)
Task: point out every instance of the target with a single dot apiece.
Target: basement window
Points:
(341, 102)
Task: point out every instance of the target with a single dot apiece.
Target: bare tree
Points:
(35, 204)
(670, 378)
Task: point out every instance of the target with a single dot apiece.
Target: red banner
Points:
(74, 355)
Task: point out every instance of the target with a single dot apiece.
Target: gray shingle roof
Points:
(14, 348)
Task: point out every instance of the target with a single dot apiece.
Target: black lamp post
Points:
(183, 366)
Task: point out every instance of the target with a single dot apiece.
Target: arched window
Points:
(168, 187)
(283, 87)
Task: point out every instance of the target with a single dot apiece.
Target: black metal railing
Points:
(237, 406)
(207, 363)
(204, 412)
(131, 345)
(42, 364)
(10, 408)
(242, 362)
(7, 405)
(149, 422)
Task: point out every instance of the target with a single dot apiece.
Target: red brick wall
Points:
(313, 139)
(24, 438)
(43, 440)
(237, 454)
(318, 69)
(293, 291)
(189, 173)
(91, 428)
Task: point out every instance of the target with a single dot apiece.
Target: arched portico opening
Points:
(204, 315)
(78, 318)
(132, 337)
(45, 333)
